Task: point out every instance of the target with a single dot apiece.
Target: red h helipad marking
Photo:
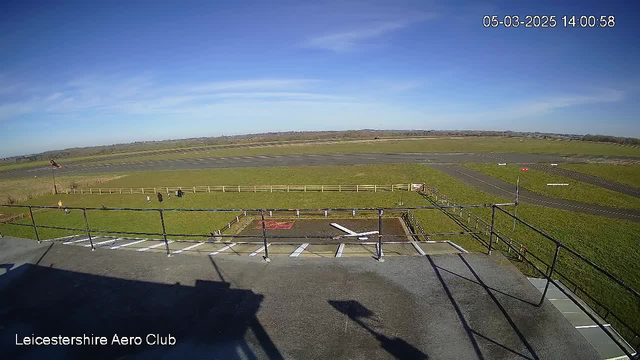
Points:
(276, 224)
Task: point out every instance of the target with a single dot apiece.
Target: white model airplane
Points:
(351, 233)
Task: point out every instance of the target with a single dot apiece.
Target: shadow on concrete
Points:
(471, 333)
(359, 314)
(209, 320)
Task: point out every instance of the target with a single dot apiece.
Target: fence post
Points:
(339, 188)
(409, 188)
(154, 190)
(239, 188)
(86, 223)
(493, 218)
(33, 223)
(357, 186)
(380, 258)
(321, 188)
(164, 233)
(271, 188)
(222, 188)
(305, 188)
(264, 238)
(209, 188)
(553, 265)
(375, 188)
(100, 190)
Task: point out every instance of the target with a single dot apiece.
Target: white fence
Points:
(249, 188)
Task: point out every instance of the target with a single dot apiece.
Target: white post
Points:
(353, 212)
(357, 188)
(238, 188)
(305, 188)
(209, 188)
(298, 213)
(270, 213)
(222, 188)
(340, 188)
(325, 213)
(271, 188)
(321, 188)
(375, 188)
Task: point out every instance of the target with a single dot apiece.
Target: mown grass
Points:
(475, 144)
(489, 144)
(622, 173)
(536, 181)
(28, 188)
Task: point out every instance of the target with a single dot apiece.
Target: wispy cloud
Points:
(144, 96)
(362, 34)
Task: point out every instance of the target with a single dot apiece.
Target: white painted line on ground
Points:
(155, 246)
(259, 250)
(591, 326)
(418, 248)
(299, 250)
(223, 249)
(621, 357)
(340, 250)
(60, 238)
(76, 241)
(103, 242)
(188, 248)
(457, 247)
(127, 244)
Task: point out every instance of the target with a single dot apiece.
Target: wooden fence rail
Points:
(248, 188)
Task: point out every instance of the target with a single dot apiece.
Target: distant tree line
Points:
(612, 139)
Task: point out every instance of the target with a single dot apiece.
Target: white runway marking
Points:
(259, 250)
(61, 238)
(76, 241)
(103, 242)
(127, 244)
(188, 248)
(340, 250)
(223, 249)
(591, 326)
(418, 248)
(299, 250)
(155, 246)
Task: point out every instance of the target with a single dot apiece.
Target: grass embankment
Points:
(536, 181)
(474, 144)
(622, 173)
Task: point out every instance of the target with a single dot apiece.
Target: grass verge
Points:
(536, 181)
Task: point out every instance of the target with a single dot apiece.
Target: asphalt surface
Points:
(291, 160)
(469, 306)
(500, 188)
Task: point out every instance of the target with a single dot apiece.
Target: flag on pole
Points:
(55, 164)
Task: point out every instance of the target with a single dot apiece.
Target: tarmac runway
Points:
(294, 160)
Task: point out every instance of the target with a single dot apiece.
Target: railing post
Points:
(493, 218)
(86, 223)
(553, 265)
(380, 256)
(164, 233)
(33, 223)
(264, 238)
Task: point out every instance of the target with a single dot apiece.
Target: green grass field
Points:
(622, 173)
(537, 181)
(475, 144)
(608, 242)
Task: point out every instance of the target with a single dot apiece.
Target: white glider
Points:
(350, 233)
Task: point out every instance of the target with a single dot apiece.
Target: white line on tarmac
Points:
(299, 250)
(61, 238)
(591, 326)
(418, 248)
(340, 250)
(76, 241)
(223, 249)
(188, 248)
(259, 250)
(127, 244)
(155, 246)
(457, 247)
(103, 242)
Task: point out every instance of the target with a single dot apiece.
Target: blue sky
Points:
(91, 73)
